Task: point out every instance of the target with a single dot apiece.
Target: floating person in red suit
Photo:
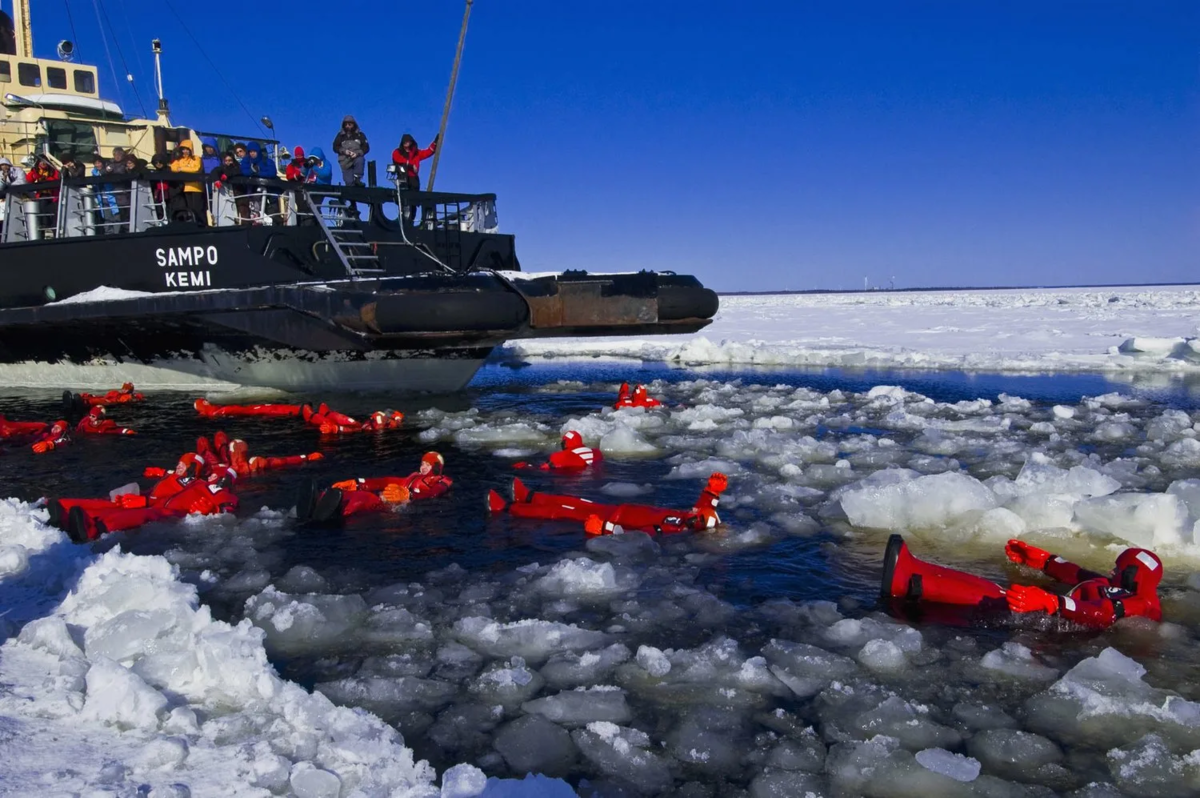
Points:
(1096, 600)
(573, 456)
(56, 437)
(125, 395)
(15, 430)
(209, 410)
(600, 519)
(94, 423)
(638, 398)
(353, 496)
(331, 422)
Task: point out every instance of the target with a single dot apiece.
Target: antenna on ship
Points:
(462, 37)
(22, 29)
(164, 110)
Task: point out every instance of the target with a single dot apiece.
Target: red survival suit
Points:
(21, 429)
(1131, 589)
(58, 435)
(119, 397)
(573, 456)
(332, 422)
(354, 496)
(605, 518)
(94, 423)
(639, 397)
(209, 410)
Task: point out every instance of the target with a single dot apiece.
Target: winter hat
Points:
(434, 459)
(572, 440)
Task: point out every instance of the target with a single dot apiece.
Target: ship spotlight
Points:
(66, 50)
(267, 123)
(17, 99)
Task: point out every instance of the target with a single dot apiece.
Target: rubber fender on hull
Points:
(686, 302)
(446, 311)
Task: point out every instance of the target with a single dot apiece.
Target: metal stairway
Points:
(357, 256)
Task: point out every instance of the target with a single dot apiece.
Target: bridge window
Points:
(71, 139)
(5, 71)
(85, 82)
(56, 77)
(29, 74)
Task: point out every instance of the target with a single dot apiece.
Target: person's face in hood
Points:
(253, 154)
(229, 160)
(239, 151)
(349, 126)
(185, 152)
(210, 149)
(131, 163)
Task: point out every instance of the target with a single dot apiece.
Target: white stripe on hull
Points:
(218, 370)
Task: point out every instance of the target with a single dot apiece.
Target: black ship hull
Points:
(378, 304)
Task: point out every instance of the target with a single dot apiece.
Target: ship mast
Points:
(23, 29)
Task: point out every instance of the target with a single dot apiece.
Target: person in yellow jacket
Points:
(192, 197)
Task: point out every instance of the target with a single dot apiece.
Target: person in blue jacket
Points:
(256, 163)
(316, 169)
(209, 157)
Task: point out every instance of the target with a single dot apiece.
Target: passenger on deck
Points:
(190, 202)
(294, 173)
(408, 158)
(316, 169)
(353, 496)
(116, 166)
(257, 164)
(167, 195)
(573, 456)
(351, 147)
(71, 167)
(226, 169)
(94, 423)
(11, 175)
(603, 519)
(44, 172)
(104, 194)
(209, 157)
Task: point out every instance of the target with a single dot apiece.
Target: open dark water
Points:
(387, 549)
(378, 551)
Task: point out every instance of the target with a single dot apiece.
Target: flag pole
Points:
(462, 37)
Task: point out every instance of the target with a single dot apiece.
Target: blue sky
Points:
(758, 145)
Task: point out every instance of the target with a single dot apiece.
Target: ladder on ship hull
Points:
(358, 257)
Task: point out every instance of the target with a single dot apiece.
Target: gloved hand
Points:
(593, 525)
(544, 466)
(395, 494)
(329, 429)
(346, 485)
(152, 472)
(132, 501)
(1027, 598)
(718, 482)
(41, 447)
(128, 431)
(1022, 553)
(314, 456)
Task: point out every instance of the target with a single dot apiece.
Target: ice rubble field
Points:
(613, 666)
(1077, 329)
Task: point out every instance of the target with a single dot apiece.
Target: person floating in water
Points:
(209, 410)
(637, 398)
(94, 423)
(604, 519)
(124, 395)
(15, 430)
(573, 456)
(1130, 589)
(331, 422)
(363, 495)
(56, 437)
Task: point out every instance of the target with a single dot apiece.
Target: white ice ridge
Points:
(1064, 329)
(116, 678)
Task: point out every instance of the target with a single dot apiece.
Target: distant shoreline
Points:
(948, 288)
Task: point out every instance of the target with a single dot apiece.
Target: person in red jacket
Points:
(353, 496)
(94, 423)
(200, 496)
(57, 436)
(294, 172)
(605, 518)
(331, 422)
(209, 410)
(1096, 600)
(407, 158)
(573, 456)
(638, 398)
